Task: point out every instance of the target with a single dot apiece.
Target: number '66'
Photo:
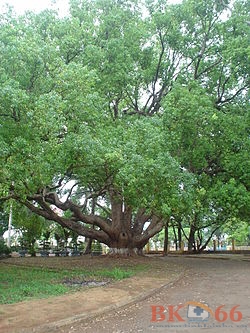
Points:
(222, 316)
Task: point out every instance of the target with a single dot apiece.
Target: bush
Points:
(96, 248)
(4, 250)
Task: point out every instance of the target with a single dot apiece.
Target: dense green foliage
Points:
(125, 114)
(3, 220)
(4, 250)
(30, 226)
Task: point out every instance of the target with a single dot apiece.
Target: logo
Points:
(196, 312)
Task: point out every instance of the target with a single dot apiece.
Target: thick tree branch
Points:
(140, 219)
(48, 213)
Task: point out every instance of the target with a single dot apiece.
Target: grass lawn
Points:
(18, 282)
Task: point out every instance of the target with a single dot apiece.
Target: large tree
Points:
(82, 134)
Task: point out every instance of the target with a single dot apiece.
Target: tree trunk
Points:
(191, 239)
(88, 247)
(179, 235)
(165, 248)
(208, 240)
(125, 251)
(175, 238)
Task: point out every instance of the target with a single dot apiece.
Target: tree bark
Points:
(165, 248)
(88, 247)
(175, 238)
(179, 235)
(191, 239)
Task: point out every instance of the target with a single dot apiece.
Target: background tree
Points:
(203, 139)
(31, 228)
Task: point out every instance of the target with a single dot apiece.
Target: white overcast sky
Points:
(21, 6)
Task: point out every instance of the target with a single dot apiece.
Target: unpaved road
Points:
(213, 282)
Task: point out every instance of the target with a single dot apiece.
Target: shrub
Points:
(96, 248)
(4, 250)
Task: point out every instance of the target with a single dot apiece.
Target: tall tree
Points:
(81, 110)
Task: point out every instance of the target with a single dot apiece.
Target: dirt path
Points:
(211, 281)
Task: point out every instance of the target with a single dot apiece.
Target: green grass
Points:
(116, 273)
(22, 283)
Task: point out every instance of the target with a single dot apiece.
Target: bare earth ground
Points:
(40, 315)
(126, 306)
